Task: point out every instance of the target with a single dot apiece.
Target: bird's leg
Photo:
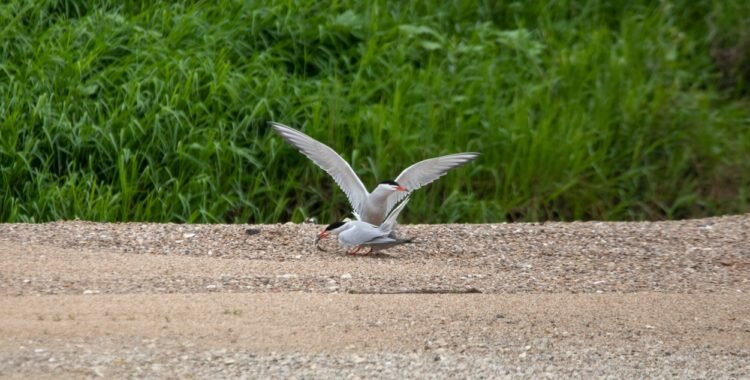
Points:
(354, 250)
(368, 252)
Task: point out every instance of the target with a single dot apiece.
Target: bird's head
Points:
(332, 228)
(392, 186)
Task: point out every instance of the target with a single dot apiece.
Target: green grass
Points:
(127, 111)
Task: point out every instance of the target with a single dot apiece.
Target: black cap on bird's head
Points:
(334, 226)
(327, 231)
(393, 184)
(389, 182)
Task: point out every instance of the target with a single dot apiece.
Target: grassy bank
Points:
(126, 111)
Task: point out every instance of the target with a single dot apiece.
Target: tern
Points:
(358, 234)
(371, 207)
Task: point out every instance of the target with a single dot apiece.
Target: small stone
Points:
(98, 371)
(437, 343)
(332, 285)
(346, 276)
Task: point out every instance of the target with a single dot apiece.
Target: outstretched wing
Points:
(427, 171)
(328, 160)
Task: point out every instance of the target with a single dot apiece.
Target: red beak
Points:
(321, 236)
(401, 188)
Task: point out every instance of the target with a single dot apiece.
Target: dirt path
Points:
(664, 299)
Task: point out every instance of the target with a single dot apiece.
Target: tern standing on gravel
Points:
(371, 207)
(358, 234)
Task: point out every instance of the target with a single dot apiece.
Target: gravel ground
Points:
(656, 299)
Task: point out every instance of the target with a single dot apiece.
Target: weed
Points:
(581, 109)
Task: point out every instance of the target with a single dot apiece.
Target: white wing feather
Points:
(390, 220)
(427, 171)
(328, 160)
(361, 233)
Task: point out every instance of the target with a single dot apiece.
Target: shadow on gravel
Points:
(419, 291)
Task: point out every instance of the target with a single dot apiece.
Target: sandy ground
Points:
(667, 299)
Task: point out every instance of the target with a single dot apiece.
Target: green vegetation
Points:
(133, 111)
